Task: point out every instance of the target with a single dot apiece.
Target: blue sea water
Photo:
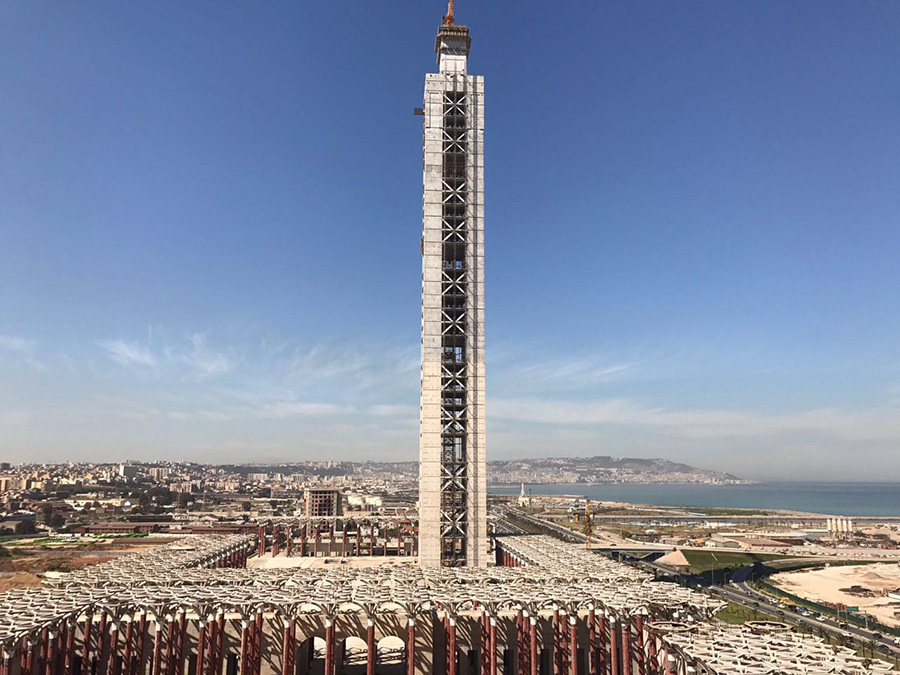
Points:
(844, 499)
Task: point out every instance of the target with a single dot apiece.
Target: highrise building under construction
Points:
(452, 469)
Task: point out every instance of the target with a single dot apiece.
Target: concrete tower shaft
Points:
(452, 461)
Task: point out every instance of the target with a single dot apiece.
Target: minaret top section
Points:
(452, 44)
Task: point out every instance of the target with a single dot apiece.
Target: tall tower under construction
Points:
(452, 464)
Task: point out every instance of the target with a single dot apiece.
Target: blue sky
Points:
(210, 215)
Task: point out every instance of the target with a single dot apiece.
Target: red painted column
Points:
(639, 643)
(286, 649)
(86, 651)
(573, 644)
(344, 541)
(201, 647)
(592, 642)
(220, 641)
(113, 668)
(289, 542)
(329, 647)
(613, 647)
(157, 648)
(411, 648)
(602, 653)
(257, 648)
(276, 536)
(451, 646)
(303, 533)
(208, 666)
(316, 542)
(533, 656)
(626, 647)
(358, 536)
(492, 668)
(129, 642)
(484, 644)
(262, 540)
(245, 656)
(68, 664)
(47, 644)
(371, 649)
(652, 663)
(556, 652)
(400, 549)
(179, 645)
(670, 664)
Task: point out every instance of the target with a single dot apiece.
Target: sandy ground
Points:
(825, 585)
(675, 558)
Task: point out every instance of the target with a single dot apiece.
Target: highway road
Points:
(736, 590)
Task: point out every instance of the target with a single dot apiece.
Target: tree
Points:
(47, 513)
(25, 527)
(184, 499)
(246, 506)
(57, 521)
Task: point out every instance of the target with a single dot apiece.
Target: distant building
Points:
(257, 477)
(323, 502)
(158, 473)
(524, 500)
(128, 471)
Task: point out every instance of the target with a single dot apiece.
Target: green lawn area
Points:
(704, 561)
(736, 614)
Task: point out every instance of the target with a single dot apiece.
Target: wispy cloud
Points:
(21, 349)
(205, 362)
(128, 354)
(880, 424)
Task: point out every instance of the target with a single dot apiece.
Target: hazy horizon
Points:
(211, 214)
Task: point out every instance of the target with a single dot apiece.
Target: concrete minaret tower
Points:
(452, 466)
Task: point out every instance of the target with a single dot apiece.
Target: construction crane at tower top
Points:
(448, 20)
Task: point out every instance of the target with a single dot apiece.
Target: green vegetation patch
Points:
(705, 561)
(737, 615)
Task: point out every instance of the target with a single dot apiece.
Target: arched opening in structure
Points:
(356, 654)
(391, 658)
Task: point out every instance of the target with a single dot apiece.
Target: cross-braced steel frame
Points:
(454, 331)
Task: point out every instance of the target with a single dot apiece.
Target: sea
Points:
(840, 499)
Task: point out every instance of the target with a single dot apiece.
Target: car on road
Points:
(821, 617)
(847, 636)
